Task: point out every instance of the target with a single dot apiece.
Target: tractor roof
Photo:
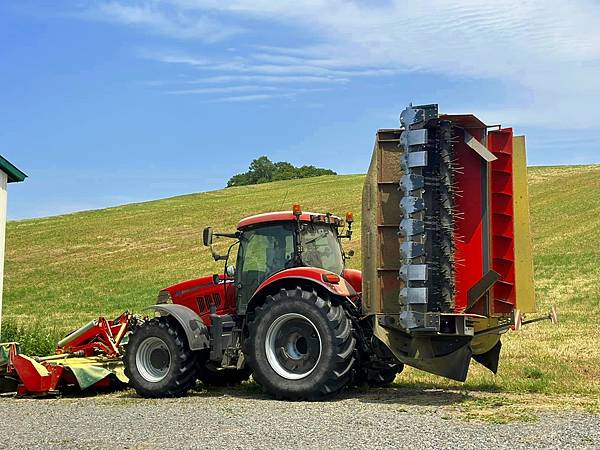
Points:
(286, 216)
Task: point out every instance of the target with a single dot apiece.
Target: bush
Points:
(263, 170)
(33, 340)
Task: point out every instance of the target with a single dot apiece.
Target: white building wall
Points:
(3, 198)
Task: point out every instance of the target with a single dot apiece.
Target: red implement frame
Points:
(34, 378)
(500, 143)
(469, 231)
(484, 229)
(471, 234)
(44, 377)
(101, 336)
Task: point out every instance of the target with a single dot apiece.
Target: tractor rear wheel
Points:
(158, 361)
(300, 346)
(212, 375)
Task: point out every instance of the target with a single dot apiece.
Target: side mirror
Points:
(207, 236)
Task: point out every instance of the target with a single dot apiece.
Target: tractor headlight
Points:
(164, 297)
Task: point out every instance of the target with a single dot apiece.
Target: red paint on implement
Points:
(102, 338)
(503, 238)
(468, 231)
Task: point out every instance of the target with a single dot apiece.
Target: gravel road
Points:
(245, 418)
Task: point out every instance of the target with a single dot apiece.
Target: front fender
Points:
(303, 274)
(195, 330)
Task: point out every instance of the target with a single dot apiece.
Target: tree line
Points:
(263, 170)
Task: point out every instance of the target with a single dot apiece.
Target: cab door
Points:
(264, 250)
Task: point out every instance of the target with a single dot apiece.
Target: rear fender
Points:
(300, 276)
(354, 277)
(195, 330)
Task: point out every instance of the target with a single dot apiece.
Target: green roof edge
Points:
(14, 175)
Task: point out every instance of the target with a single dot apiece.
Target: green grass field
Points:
(64, 271)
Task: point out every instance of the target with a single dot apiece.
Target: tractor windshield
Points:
(320, 247)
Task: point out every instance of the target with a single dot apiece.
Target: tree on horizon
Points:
(263, 170)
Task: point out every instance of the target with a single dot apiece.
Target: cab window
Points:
(263, 252)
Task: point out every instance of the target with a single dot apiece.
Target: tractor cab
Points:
(272, 242)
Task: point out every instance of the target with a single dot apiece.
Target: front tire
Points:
(300, 346)
(158, 361)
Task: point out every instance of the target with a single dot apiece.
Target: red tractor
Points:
(288, 312)
(446, 270)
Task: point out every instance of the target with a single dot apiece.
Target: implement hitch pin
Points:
(519, 322)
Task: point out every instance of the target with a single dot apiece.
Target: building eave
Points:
(14, 174)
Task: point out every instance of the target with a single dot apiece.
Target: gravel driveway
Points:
(245, 418)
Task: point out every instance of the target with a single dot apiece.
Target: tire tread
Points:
(340, 371)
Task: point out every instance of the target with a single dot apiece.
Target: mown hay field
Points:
(64, 271)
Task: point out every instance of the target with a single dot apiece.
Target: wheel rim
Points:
(293, 346)
(153, 359)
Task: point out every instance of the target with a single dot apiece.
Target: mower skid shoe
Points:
(490, 358)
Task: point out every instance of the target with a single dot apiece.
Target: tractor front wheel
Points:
(158, 361)
(300, 346)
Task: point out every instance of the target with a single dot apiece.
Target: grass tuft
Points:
(533, 373)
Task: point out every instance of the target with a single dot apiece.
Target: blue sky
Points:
(110, 102)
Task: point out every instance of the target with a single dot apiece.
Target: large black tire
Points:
(384, 376)
(158, 361)
(212, 375)
(300, 346)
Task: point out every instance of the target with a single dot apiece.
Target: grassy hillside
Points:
(63, 271)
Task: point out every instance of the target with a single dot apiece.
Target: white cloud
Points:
(293, 79)
(254, 93)
(268, 79)
(174, 58)
(250, 65)
(546, 51)
(159, 18)
(245, 98)
(224, 90)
